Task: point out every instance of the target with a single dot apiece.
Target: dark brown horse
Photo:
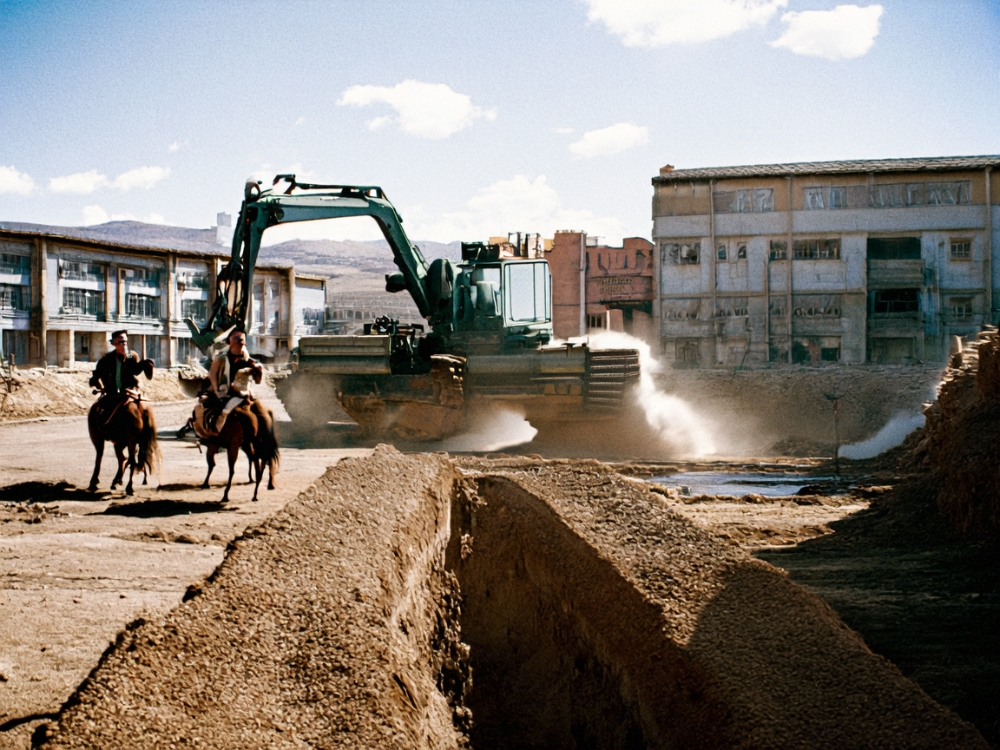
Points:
(131, 428)
(250, 428)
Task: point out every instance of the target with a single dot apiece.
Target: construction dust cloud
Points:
(892, 434)
(494, 428)
(682, 431)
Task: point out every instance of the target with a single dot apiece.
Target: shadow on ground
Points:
(47, 492)
(162, 508)
(918, 593)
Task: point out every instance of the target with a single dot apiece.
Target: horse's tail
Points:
(267, 440)
(148, 459)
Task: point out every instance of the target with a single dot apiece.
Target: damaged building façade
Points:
(877, 261)
(64, 289)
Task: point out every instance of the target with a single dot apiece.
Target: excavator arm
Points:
(262, 209)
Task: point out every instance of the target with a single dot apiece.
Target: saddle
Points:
(207, 411)
(108, 405)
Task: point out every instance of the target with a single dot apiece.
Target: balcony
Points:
(888, 274)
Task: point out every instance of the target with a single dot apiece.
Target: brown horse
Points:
(131, 427)
(250, 428)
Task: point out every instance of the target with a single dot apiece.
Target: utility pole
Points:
(836, 429)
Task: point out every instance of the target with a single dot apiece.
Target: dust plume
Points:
(670, 417)
(492, 428)
(892, 434)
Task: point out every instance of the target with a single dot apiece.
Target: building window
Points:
(829, 354)
(813, 198)
(686, 352)
(192, 280)
(816, 305)
(732, 307)
(777, 307)
(838, 197)
(961, 249)
(595, 321)
(741, 250)
(15, 264)
(948, 193)
(15, 297)
(142, 306)
(81, 271)
(894, 248)
(680, 253)
(960, 308)
(779, 250)
(196, 309)
(756, 200)
(83, 302)
(143, 276)
(816, 249)
(891, 301)
(722, 252)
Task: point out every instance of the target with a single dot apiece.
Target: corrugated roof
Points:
(82, 234)
(862, 166)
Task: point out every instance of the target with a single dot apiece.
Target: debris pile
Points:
(961, 437)
(50, 392)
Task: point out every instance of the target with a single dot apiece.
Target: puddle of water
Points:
(738, 484)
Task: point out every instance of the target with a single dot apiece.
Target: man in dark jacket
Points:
(117, 373)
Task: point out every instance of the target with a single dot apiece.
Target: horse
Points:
(130, 427)
(250, 428)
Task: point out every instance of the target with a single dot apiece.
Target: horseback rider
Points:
(116, 374)
(223, 375)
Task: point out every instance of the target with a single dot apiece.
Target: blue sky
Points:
(477, 118)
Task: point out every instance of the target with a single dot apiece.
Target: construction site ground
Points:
(79, 568)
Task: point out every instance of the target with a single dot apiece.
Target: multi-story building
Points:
(853, 261)
(63, 290)
(598, 287)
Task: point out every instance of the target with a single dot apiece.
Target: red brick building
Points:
(615, 284)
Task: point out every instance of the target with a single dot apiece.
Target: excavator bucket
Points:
(205, 339)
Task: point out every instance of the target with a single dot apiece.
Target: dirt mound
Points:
(39, 392)
(961, 438)
(594, 617)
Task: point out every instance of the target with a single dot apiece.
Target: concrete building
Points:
(63, 290)
(852, 261)
(614, 283)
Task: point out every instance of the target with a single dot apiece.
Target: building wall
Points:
(60, 306)
(729, 296)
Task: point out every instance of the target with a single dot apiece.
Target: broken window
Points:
(961, 249)
(681, 309)
(779, 250)
(960, 308)
(142, 306)
(83, 302)
(829, 354)
(741, 250)
(15, 297)
(777, 307)
(680, 253)
(813, 197)
(948, 193)
(816, 249)
(838, 197)
(894, 301)
(816, 305)
(731, 307)
(722, 252)
(687, 352)
(755, 200)
(888, 196)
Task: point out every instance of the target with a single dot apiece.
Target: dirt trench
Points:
(409, 601)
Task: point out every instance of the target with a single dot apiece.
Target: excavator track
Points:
(611, 374)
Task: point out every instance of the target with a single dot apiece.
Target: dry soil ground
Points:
(78, 567)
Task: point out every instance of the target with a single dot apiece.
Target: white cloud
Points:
(94, 215)
(143, 177)
(82, 183)
(656, 23)
(12, 181)
(426, 110)
(611, 140)
(518, 204)
(843, 33)
(97, 215)
(174, 147)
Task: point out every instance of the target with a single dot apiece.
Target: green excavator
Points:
(488, 340)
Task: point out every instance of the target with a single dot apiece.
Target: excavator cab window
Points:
(527, 292)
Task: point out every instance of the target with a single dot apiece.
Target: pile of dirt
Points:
(961, 437)
(590, 614)
(50, 392)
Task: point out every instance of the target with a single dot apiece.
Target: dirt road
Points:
(78, 567)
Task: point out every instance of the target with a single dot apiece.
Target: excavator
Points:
(487, 341)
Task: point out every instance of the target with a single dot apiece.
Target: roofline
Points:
(860, 166)
(222, 253)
